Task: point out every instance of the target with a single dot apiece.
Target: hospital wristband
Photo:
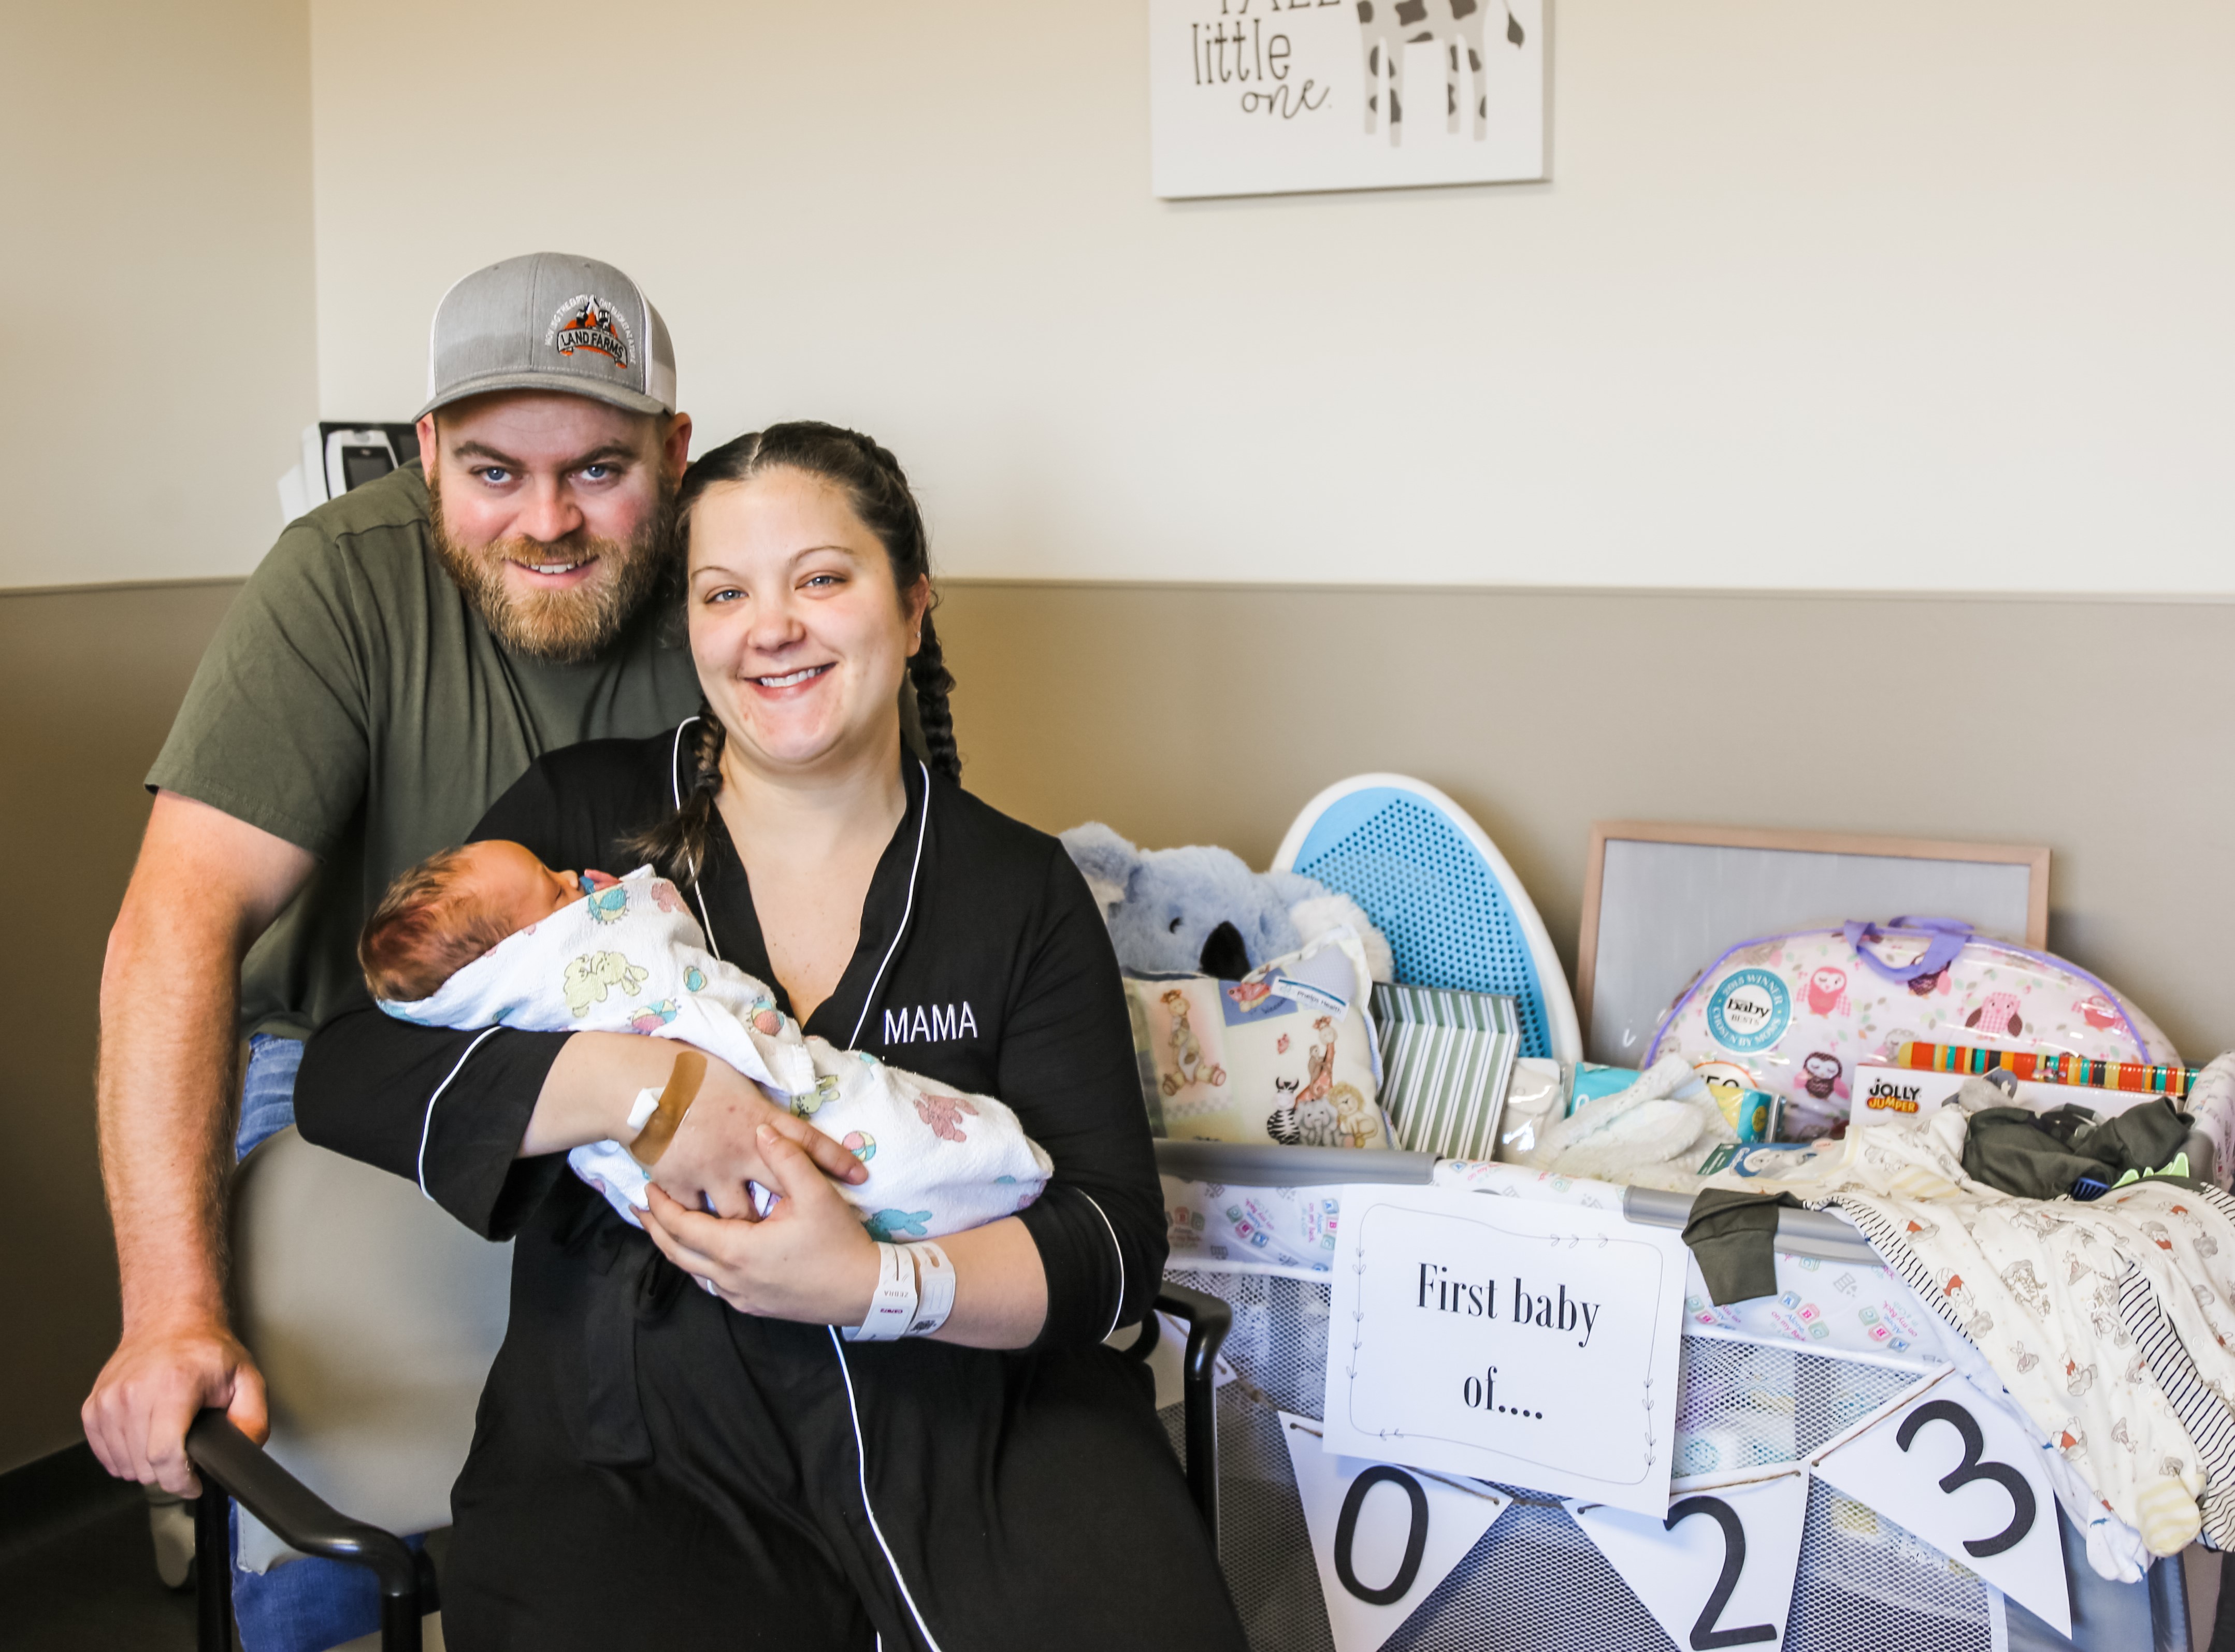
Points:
(935, 1285)
(892, 1307)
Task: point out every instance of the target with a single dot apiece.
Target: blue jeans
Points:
(305, 1605)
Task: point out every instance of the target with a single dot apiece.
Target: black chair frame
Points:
(232, 1466)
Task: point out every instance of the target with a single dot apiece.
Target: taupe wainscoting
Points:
(1186, 713)
(88, 682)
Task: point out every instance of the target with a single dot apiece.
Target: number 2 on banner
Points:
(1706, 1637)
(1745, 1538)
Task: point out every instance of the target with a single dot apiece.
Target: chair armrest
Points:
(230, 1461)
(1208, 1320)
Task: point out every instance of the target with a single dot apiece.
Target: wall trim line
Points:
(89, 586)
(1345, 588)
(1701, 592)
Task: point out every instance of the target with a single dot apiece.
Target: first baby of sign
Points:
(1519, 1342)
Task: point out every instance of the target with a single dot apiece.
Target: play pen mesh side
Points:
(1536, 1583)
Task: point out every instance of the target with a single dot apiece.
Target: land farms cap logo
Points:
(587, 322)
(1749, 1011)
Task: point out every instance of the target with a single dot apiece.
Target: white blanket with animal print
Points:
(630, 958)
(2109, 1323)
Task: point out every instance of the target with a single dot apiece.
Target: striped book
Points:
(1445, 1057)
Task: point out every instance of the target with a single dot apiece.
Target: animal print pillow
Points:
(1285, 1054)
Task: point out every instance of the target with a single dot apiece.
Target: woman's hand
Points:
(587, 1095)
(718, 1147)
(810, 1261)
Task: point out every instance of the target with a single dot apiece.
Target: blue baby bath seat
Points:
(1437, 887)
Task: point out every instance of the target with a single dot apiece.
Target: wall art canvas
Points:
(1261, 97)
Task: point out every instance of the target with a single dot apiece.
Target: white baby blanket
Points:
(630, 958)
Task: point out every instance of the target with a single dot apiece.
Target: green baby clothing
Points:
(2040, 1156)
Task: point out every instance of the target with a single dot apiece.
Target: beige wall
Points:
(90, 679)
(1900, 296)
(1184, 714)
(159, 334)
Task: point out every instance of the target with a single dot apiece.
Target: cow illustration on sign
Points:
(1386, 27)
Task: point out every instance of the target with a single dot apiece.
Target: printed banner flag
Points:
(1383, 1536)
(1955, 1469)
(1717, 1570)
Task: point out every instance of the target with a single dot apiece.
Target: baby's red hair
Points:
(426, 928)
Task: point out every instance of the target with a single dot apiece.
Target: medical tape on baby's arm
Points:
(668, 1108)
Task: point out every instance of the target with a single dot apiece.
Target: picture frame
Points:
(1677, 893)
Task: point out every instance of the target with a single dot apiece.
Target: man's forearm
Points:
(169, 1009)
(205, 885)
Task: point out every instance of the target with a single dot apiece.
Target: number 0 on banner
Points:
(1717, 1570)
(1383, 1536)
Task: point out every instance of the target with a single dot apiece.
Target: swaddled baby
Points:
(488, 935)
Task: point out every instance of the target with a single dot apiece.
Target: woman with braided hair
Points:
(744, 1460)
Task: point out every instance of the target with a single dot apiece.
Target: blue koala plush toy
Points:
(1202, 910)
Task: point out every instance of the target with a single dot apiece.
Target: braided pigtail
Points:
(927, 670)
(678, 845)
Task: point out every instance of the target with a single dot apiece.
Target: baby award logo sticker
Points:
(1532, 1345)
(1749, 1011)
(1268, 96)
(587, 322)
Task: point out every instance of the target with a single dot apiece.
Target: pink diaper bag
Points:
(1794, 1013)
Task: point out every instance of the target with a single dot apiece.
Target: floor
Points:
(93, 1588)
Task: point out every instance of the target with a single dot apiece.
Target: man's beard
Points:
(567, 627)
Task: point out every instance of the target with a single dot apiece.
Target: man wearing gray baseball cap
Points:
(397, 661)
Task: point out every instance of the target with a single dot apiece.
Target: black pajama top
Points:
(650, 1463)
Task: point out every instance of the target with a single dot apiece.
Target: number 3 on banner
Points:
(1992, 1509)
(1705, 1635)
(1967, 1429)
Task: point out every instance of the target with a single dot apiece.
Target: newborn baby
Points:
(488, 935)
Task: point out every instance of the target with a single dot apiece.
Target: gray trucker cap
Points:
(550, 321)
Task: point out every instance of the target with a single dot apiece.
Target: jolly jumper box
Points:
(1885, 1094)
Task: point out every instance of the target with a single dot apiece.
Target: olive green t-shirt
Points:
(354, 704)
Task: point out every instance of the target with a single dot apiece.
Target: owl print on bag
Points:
(1826, 991)
(1998, 1016)
(1823, 1070)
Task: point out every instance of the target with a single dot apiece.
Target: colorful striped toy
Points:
(2139, 1077)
